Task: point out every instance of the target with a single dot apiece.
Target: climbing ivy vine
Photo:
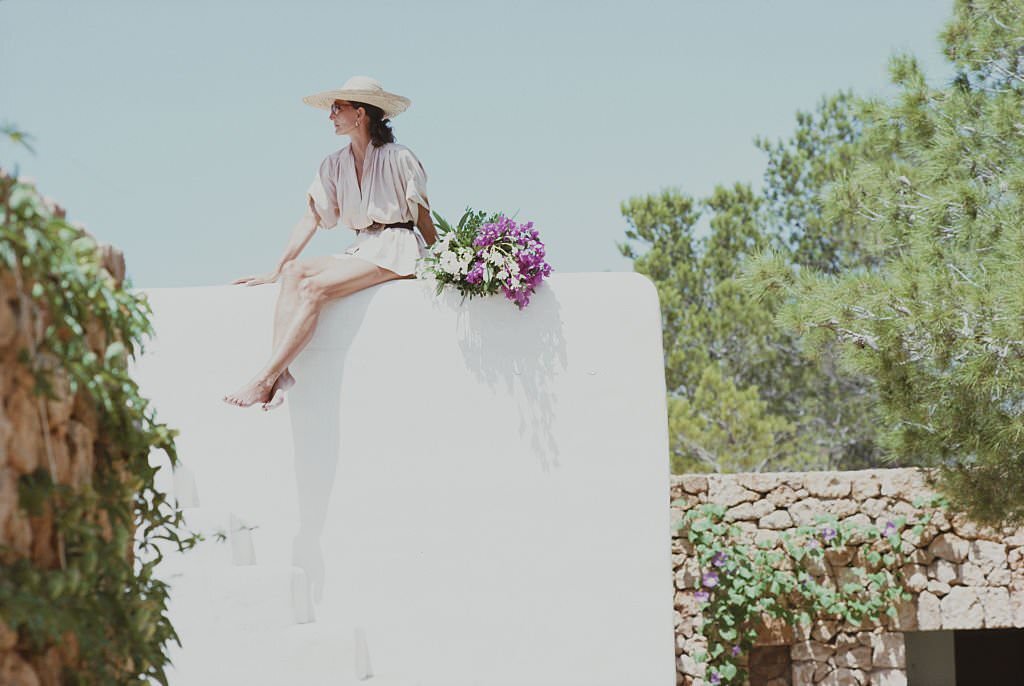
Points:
(101, 590)
(744, 583)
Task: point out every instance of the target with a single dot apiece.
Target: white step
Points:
(229, 540)
(236, 598)
(325, 654)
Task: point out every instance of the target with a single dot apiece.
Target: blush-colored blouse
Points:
(394, 186)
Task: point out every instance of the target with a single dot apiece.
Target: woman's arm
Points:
(426, 225)
(301, 233)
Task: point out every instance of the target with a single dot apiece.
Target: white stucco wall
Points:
(475, 495)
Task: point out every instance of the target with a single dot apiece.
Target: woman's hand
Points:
(269, 277)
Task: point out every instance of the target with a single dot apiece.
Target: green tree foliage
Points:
(936, 317)
(743, 397)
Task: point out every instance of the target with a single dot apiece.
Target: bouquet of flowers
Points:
(484, 253)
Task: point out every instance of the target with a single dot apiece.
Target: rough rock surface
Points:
(960, 575)
(59, 435)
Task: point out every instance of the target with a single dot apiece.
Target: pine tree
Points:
(936, 317)
(742, 395)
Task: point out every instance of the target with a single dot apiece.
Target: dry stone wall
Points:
(960, 575)
(59, 435)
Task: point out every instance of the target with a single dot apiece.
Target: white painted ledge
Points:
(477, 495)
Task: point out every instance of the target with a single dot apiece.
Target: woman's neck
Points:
(359, 144)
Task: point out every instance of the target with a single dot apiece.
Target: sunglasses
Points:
(335, 107)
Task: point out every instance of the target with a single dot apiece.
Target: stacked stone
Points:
(961, 575)
(58, 435)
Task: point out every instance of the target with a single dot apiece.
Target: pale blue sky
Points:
(176, 131)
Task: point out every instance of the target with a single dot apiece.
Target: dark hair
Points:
(380, 128)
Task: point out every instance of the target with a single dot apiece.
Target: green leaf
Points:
(114, 351)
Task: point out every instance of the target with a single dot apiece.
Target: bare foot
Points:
(251, 393)
(283, 383)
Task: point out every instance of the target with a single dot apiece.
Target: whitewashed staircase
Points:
(258, 622)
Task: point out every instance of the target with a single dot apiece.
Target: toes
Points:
(234, 400)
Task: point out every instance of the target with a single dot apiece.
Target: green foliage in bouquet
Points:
(470, 222)
(460, 239)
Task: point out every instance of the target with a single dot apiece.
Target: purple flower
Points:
(828, 533)
(890, 529)
(520, 247)
(735, 651)
(710, 579)
(813, 544)
(716, 678)
(476, 272)
(702, 596)
(719, 559)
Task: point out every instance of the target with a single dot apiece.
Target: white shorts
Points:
(392, 248)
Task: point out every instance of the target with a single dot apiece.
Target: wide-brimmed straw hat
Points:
(362, 89)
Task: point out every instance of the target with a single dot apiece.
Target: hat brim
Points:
(392, 104)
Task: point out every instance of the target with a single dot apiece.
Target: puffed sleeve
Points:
(415, 179)
(322, 196)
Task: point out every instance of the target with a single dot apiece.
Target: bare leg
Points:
(287, 303)
(343, 276)
(299, 332)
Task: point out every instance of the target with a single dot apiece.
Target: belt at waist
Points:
(378, 225)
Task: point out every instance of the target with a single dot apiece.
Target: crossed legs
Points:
(305, 287)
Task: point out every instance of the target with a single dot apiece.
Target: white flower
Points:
(450, 263)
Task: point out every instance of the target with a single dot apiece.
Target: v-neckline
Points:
(366, 155)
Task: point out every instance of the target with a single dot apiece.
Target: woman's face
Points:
(344, 117)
